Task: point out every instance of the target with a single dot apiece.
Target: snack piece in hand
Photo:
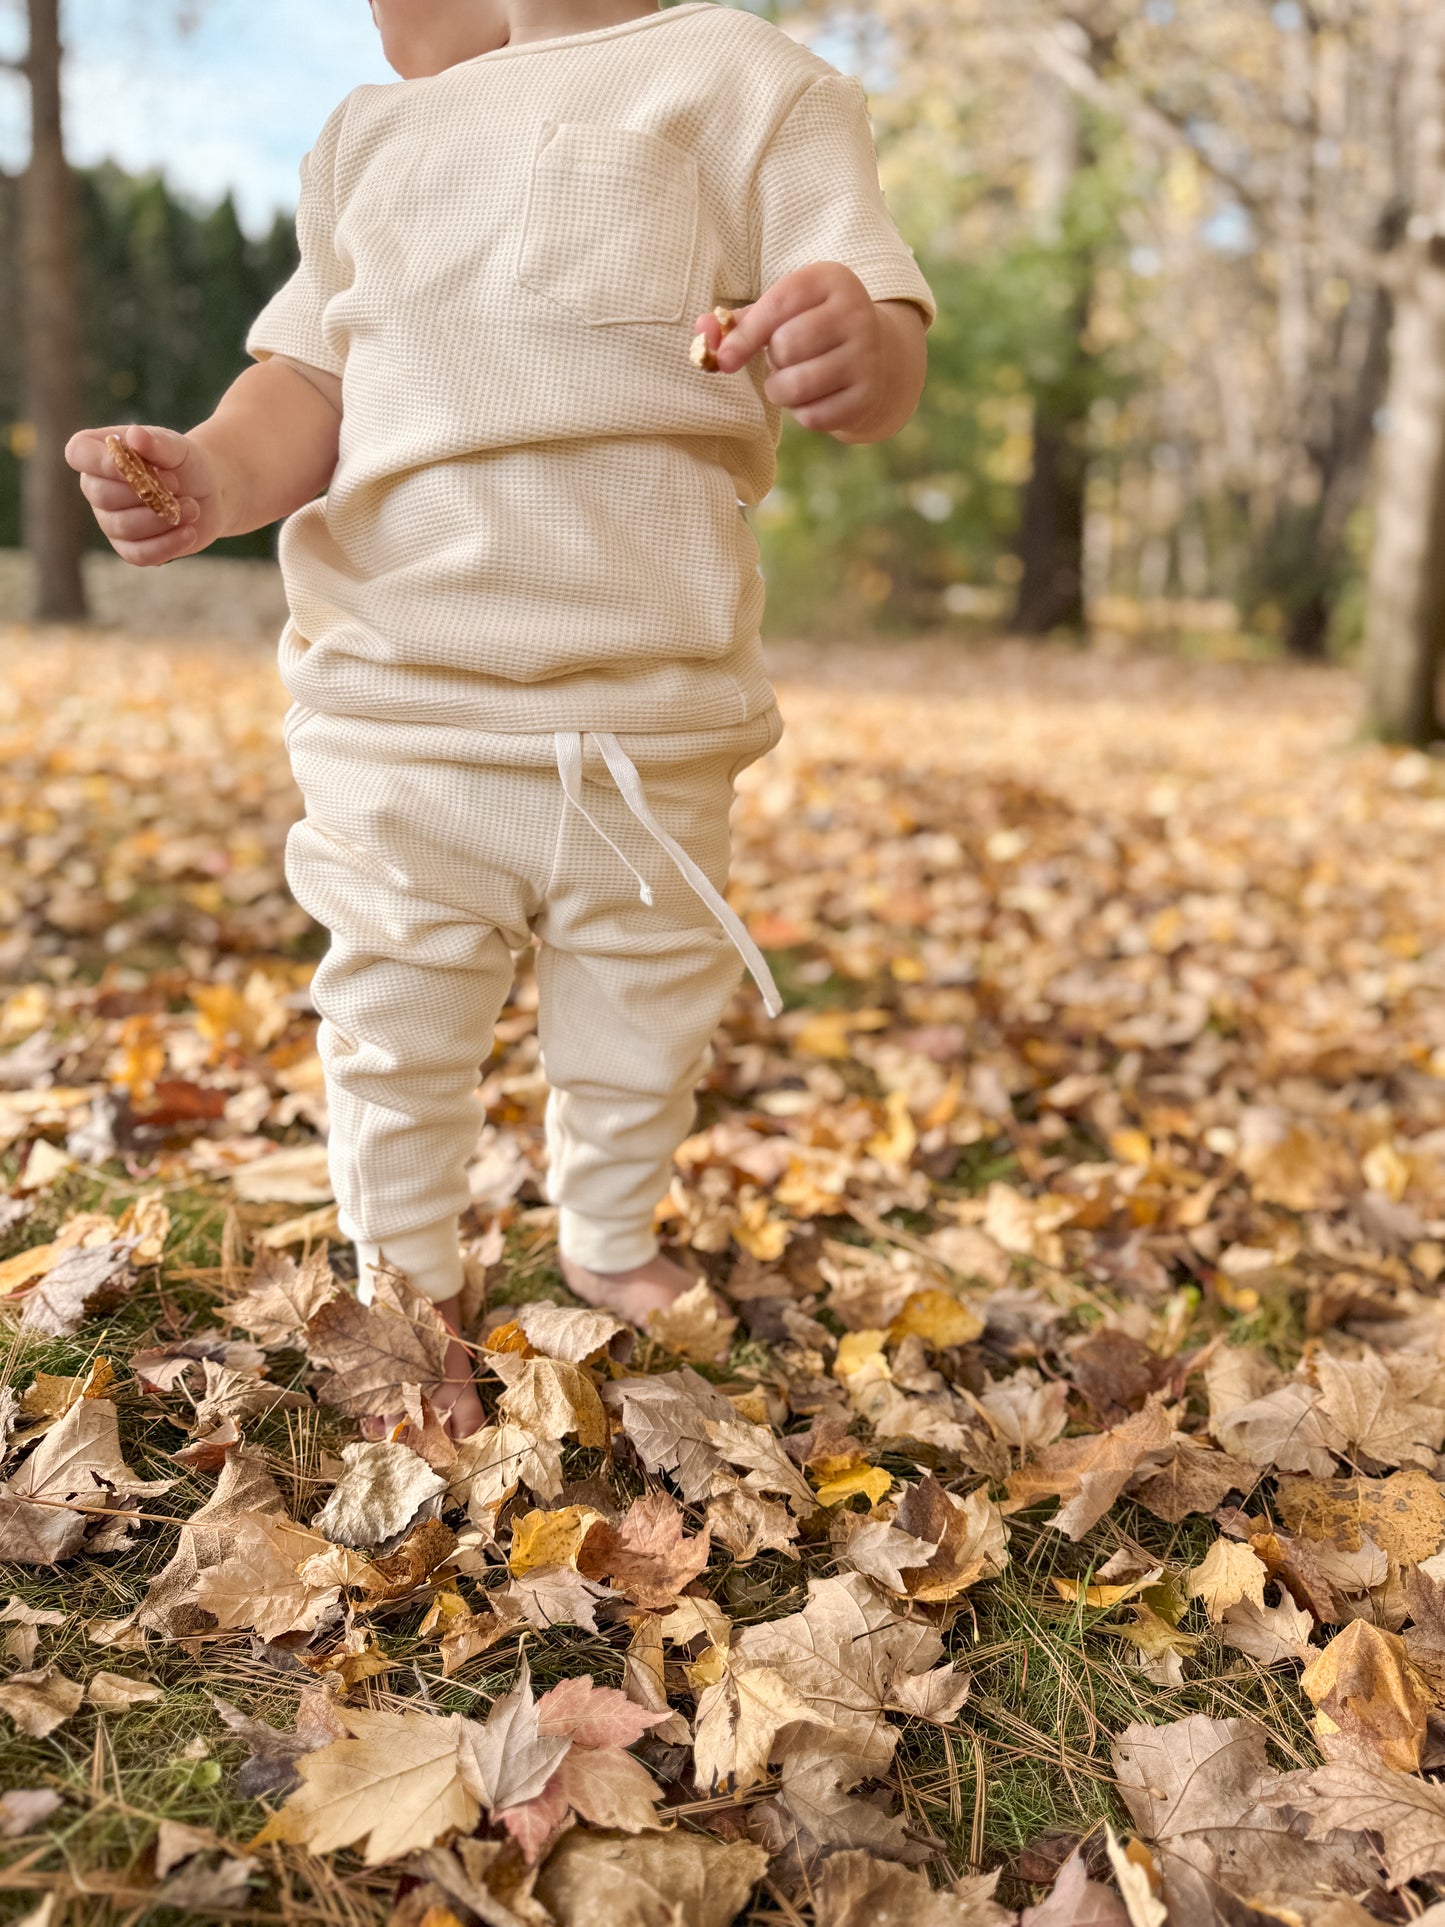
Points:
(700, 354)
(147, 485)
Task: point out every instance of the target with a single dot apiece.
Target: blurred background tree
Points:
(1188, 375)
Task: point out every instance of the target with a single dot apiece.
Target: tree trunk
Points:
(52, 385)
(1406, 616)
(1051, 532)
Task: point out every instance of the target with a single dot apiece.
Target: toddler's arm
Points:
(270, 447)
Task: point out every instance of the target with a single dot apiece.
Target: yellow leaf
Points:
(1227, 1573)
(827, 1033)
(845, 1476)
(550, 1538)
(938, 1318)
(1367, 1687)
(856, 1351)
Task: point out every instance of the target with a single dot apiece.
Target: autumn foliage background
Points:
(1053, 1530)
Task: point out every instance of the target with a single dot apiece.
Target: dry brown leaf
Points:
(855, 1890)
(1228, 1573)
(648, 1880)
(646, 1556)
(271, 1766)
(373, 1352)
(1404, 1514)
(694, 1327)
(1387, 1406)
(1367, 1688)
(744, 1524)
(282, 1297)
(1202, 1790)
(82, 1279)
(298, 1174)
(258, 1582)
(1269, 1634)
(549, 1399)
(394, 1786)
(77, 1463)
(25, 1810)
(244, 1487)
(378, 1494)
(969, 1537)
(1088, 1474)
(1195, 1478)
(1076, 1901)
(571, 1333)
(115, 1692)
(39, 1701)
(1358, 1793)
(739, 1718)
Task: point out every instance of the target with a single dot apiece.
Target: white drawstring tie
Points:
(629, 785)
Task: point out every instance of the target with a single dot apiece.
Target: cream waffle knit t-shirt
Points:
(535, 522)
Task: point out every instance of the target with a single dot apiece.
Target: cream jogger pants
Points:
(431, 853)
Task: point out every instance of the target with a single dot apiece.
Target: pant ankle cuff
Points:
(604, 1247)
(430, 1257)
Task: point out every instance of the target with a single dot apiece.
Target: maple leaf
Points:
(1088, 1474)
(83, 1277)
(507, 1759)
(1228, 1573)
(1268, 1633)
(969, 1537)
(649, 1879)
(1026, 1411)
(378, 1494)
(554, 1596)
(372, 1352)
(1386, 1406)
(877, 1547)
(1404, 1514)
(1367, 1688)
(744, 1524)
(739, 1718)
(394, 1786)
(490, 1464)
(244, 1487)
(1195, 1478)
(646, 1556)
(694, 1327)
(1201, 1789)
(281, 1297)
(1359, 1794)
(257, 1583)
(1259, 1417)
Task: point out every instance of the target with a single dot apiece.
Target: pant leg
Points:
(420, 872)
(630, 995)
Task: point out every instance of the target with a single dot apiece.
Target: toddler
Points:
(523, 639)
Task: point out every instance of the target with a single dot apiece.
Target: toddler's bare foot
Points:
(456, 1401)
(655, 1286)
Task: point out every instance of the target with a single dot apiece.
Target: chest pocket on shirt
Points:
(610, 224)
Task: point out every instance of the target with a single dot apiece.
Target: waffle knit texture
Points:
(432, 854)
(536, 519)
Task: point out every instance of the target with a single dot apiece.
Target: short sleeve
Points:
(293, 322)
(816, 197)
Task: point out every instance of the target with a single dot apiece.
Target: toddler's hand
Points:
(135, 532)
(825, 345)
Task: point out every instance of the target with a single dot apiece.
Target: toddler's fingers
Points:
(159, 548)
(161, 447)
(134, 522)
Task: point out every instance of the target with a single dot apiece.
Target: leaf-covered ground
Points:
(1052, 1528)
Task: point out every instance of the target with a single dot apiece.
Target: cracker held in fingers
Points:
(147, 485)
(700, 354)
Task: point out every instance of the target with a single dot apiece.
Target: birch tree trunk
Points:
(1406, 612)
(52, 387)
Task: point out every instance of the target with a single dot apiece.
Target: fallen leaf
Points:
(1359, 1794)
(646, 1556)
(244, 1487)
(542, 1538)
(77, 1463)
(938, 1318)
(571, 1333)
(81, 1279)
(38, 1702)
(507, 1760)
(378, 1494)
(258, 1583)
(271, 1766)
(1076, 1901)
(372, 1352)
(648, 1880)
(694, 1327)
(739, 1718)
(550, 1399)
(1195, 1478)
(282, 1297)
(1404, 1514)
(1269, 1634)
(394, 1786)
(1367, 1688)
(1228, 1573)
(969, 1535)
(1386, 1406)
(115, 1693)
(853, 1889)
(298, 1174)
(1088, 1474)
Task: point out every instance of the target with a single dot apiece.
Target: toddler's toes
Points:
(465, 1415)
(635, 1294)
